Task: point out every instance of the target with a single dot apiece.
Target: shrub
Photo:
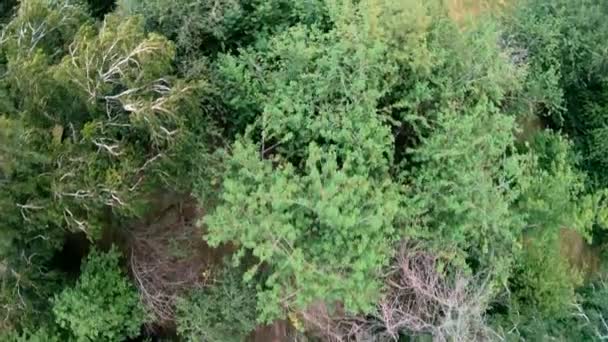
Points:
(41, 334)
(223, 311)
(103, 305)
(466, 186)
(543, 283)
(116, 114)
(584, 320)
(92, 120)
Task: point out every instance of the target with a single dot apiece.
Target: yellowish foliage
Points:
(460, 10)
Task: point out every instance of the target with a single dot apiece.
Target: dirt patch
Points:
(582, 256)
(279, 331)
(168, 257)
(528, 126)
(460, 10)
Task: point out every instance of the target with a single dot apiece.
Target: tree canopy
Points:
(341, 170)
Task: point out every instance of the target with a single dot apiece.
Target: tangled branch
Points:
(419, 300)
(168, 258)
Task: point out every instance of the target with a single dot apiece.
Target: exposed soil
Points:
(169, 257)
(460, 10)
(528, 127)
(279, 331)
(581, 255)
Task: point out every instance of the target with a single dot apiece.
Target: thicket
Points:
(206, 315)
(374, 169)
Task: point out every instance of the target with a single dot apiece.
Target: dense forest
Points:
(303, 170)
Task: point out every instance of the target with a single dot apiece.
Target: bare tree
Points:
(419, 300)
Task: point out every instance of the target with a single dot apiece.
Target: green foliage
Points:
(440, 66)
(464, 182)
(223, 312)
(40, 334)
(42, 25)
(592, 310)
(582, 321)
(317, 134)
(203, 28)
(29, 234)
(556, 196)
(534, 35)
(92, 121)
(289, 94)
(466, 187)
(323, 233)
(310, 181)
(108, 115)
(567, 60)
(543, 283)
(103, 305)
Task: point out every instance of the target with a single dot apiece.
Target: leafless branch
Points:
(80, 194)
(419, 301)
(25, 207)
(149, 161)
(111, 149)
(69, 217)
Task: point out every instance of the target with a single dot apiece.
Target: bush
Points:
(323, 234)
(224, 311)
(318, 134)
(465, 189)
(424, 296)
(116, 115)
(584, 320)
(41, 334)
(91, 121)
(103, 305)
(543, 283)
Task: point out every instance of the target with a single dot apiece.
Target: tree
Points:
(323, 234)
(316, 136)
(205, 28)
(115, 113)
(30, 234)
(309, 180)
(466, 187)
(93, 120)
(419, 300)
